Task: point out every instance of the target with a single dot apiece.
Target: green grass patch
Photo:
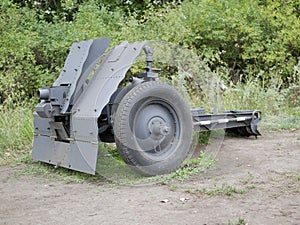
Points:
(58, 174)
(282, 121)
(194, 166)
(203, 137)
(279, 110)
(110, 168)
(225, 189)
(249, 178)
(113, 168)
(240, 221)
(16, 134)
(296, 177)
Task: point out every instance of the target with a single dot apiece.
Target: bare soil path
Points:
(253, 182)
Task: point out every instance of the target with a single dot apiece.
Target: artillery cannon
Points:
(150, 122)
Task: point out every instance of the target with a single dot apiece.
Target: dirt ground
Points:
(253, 182)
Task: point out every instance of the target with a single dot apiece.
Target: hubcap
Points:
(156, 128)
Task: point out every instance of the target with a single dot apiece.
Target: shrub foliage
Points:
(239, 39)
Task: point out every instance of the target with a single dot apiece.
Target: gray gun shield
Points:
(88, 100)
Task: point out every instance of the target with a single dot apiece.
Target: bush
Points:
(238, 40)
(254, 38)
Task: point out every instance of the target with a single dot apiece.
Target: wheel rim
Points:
(156, 128)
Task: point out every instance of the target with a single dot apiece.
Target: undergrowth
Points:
(16, 134)
(280, 107)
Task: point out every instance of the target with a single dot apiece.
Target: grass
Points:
(296, 177)
(57, 174)
(225, 189)
(194, 166)
(240, 221)
(248, 179)
(173, 187)
(280, 107)
(16, 133)
(114, 169)
(282, 121)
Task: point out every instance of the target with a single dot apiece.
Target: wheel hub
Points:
(155, 128)
(158, 128)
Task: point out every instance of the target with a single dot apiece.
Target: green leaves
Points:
(239, 40)
(253, 37)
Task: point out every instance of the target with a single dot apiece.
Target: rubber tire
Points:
(120, 96)
(167, 100)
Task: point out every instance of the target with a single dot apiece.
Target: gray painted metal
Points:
(54, 99)
(227, 120)
(79, 149)
(81, 60)
(85, 112)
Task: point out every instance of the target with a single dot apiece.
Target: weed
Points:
(251, 187)
(189, 190)
(296, 177)
(281, 121)
(278, 114)
(194, 166)
(225, 189)
(173, 187)
(240, 221)
(58, 174)
(248, 179)
(164, 182)
(112, 149)
(16, 133)
(203, 137)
